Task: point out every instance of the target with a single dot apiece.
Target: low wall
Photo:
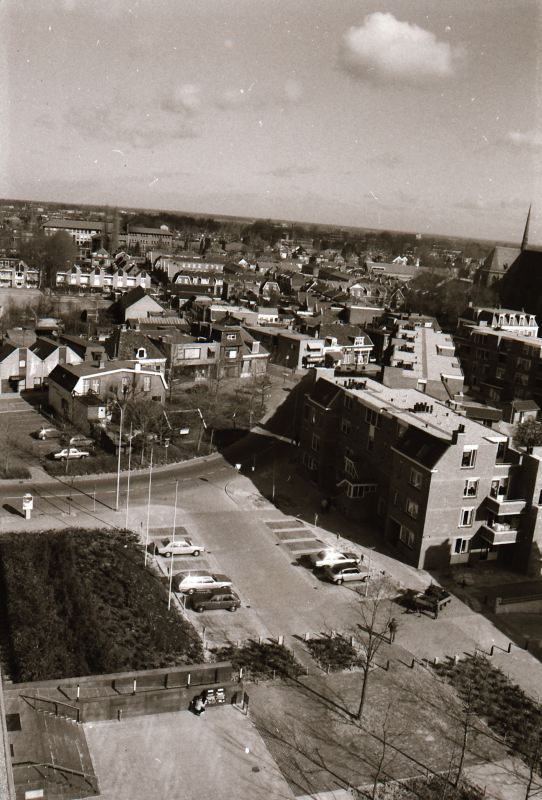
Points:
(130, 694)
(518, 605)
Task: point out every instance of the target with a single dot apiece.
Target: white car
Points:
(197, 580)
(345, 572)
(48, 433)
(178, 547)
(328, 558)
(72, 452)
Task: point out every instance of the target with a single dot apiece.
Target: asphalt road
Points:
(216, 506)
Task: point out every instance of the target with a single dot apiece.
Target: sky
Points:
(420, 116)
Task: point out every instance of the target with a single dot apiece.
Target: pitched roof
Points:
(6, 350)
(423, 447)
(124, 345)
(324, 393)
(43, 348)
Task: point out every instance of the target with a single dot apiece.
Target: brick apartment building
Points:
(501, 365)
(442, 489)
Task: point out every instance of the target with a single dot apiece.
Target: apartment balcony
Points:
(499, 533)
(500, 507)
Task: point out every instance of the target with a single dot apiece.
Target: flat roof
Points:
(433, 355)
(440, 420)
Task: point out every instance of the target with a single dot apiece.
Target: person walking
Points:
(392, 627)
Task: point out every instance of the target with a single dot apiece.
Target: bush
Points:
(504, 706)
(82, 602)
(333, 654)
(260, 661)
(14, 472)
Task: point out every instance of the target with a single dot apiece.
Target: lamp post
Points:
(173, 544)
(128, 485)
(120, 447)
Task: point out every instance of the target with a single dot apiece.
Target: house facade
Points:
(27, 368)
(15, 274)
(69, 386)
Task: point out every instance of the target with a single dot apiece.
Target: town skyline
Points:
(399, 117)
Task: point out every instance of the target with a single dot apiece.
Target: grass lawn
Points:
(80, 602)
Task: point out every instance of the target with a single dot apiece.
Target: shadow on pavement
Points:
(12, 510)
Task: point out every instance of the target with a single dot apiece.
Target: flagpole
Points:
(148, 511)
(173, 544)
(128, 486)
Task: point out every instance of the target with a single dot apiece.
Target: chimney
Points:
(457, 433)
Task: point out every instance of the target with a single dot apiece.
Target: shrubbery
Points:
(81, 603)
(333, 653)
(261, 661)
(14, 472)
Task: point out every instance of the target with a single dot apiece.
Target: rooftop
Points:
(432, 354)
(437, 418)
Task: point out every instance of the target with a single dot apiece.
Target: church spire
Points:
(525, 242)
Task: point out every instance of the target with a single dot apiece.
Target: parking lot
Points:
(18, 420)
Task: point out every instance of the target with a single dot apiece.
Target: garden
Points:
(78, 602)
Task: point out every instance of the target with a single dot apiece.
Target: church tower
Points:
(525, 240)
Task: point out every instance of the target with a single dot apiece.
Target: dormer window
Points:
(142, 353)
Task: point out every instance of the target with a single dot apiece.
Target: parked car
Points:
(82, 441)
(345, 572)
(330, 557)
(73, 452)
(178, 547)
(47, 433)
(207, 601)
(198, 580)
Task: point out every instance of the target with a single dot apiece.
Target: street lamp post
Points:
(173, 544)
(128, 485)
(120, 447)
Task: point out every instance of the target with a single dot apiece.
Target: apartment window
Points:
(373, 417)
(381, 507)
(348, 401)
(411, 508)
(474, 367)
(310, 462)
(96, 385)
(485, 369)
(468, 459)
(86, 387)
(232, 353)
(146, 383)
(461, 546)
(499, 373)
(466, 518)
(22, 363)
(501, 452)
(193, 353)
(406, 536)
(349, 467)
(401, 430)
(142, 353)
(231, 337)
(471, 488)
(345, 427)
(359, 490)
(315, 443)
(523, 363)
(415, 478)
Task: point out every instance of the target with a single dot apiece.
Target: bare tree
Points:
(375, 614)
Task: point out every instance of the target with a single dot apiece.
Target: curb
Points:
(107, 475)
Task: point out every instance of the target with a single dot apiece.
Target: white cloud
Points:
(529, 140)
(386, 50)
(183, 99)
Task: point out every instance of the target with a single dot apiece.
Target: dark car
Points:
(206, 601)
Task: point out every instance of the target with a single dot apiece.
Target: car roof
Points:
(195, 573)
